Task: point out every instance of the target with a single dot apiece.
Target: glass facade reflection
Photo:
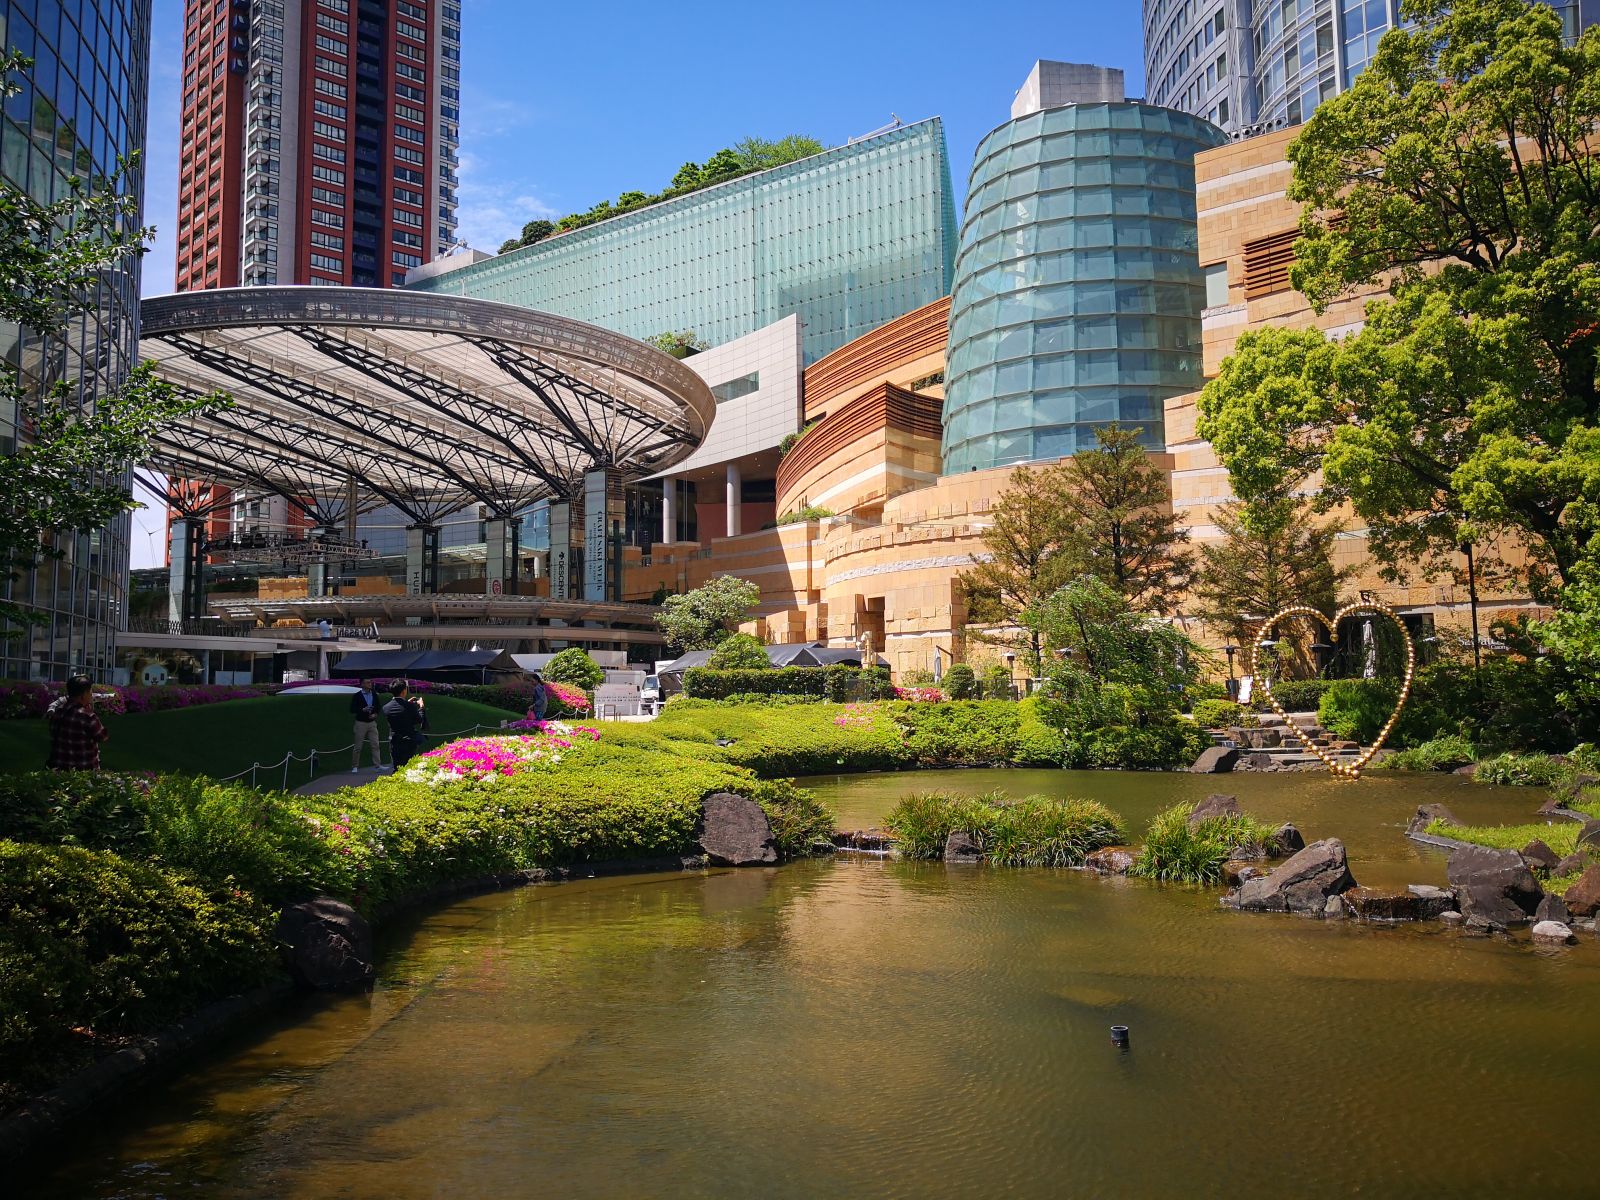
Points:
(80, 108)
(1078, 290)
(850, 239)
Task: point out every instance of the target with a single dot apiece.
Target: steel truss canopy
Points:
(431, 403)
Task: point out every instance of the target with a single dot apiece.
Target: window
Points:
(402, 217)
(407, 154)
(407, 50)
(332, 66)
(333, 24)
(412, 10)
(331, 241)
(406, 92)
(407, 196)
(332, 45)
(411, 31)
(1216, 284)
(329, 88)
(327, 174)
(334, 133)
(328, 108)
(407, 134)
(323, 195)
(338, 6)
(407, 238)
(407, 71)
(322, 217)
(407, 175)
(402, 259)
(327, 263)
(734, 388)
(407, 113)
(331, 153)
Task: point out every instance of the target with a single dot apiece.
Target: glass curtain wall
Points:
(79, 109)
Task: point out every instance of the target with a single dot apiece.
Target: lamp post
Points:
(1011, 670)
(1472, 603)
(1233, 683)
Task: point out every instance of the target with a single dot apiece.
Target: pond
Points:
(862, 1027)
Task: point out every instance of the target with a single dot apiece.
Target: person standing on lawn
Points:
(75, 732)
(406, 720)
(364, 708)
(541, 698)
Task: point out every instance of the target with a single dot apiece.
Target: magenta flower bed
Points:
(926, 695)
(491, 759)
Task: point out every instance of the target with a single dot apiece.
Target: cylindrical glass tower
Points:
(1077, 287)
(80, 108)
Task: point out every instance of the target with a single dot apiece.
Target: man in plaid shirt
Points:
(75, 732)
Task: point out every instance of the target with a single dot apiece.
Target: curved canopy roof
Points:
(429, 402)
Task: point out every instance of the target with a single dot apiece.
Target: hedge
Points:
(839, 683)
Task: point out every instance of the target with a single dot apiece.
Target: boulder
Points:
(1267, 739)
(1261, 761)
(962, 847)
(1553, 908)
(326, 945)
(1303, 883)
(1427, 814)
(1583, 897)
(1494, 886)
(1432, 902)
(734, 832)
(1380, 904)
(1237, 871)
(1467, 769)
(1589, 835)
(1215, 805)
(1539, 856)
(1216, 760)
(1286, 840)
(1344, 746)
(1335, 908)
(1451, 917)
(1555, 932)
(863, 839)
(1552, 807)
(1112, 860)
(1572, 864)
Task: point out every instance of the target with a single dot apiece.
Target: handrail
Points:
(291, 758)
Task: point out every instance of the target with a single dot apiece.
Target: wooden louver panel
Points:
(1266, 264)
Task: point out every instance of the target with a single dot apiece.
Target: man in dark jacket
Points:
(75, 732)
(406, 720)
(364, 708)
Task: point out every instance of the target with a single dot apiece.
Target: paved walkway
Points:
(339, 779)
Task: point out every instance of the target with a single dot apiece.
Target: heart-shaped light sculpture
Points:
(1365, 605)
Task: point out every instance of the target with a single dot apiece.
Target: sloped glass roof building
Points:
(849, 239)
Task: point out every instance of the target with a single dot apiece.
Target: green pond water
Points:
(861, 1027)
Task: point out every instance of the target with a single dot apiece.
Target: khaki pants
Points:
(366, 734)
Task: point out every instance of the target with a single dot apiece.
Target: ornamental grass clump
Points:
(923, 821)
(1175, 853)
(1440, 754)
(1036, 831)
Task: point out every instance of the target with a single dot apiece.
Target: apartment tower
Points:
(319, 140)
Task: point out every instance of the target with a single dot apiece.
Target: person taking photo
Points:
(75, 732)
(407, 720)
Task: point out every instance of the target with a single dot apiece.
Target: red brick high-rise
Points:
(319, 140)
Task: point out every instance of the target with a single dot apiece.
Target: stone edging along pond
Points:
(333, 953)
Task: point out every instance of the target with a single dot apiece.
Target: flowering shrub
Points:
(854, 716)
(491, 759)
(21, 700)
(924, 695)
(569, 697)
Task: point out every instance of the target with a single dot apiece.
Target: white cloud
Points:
(494, 207)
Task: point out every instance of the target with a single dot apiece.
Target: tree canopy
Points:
(705, 617)
(1459, 172)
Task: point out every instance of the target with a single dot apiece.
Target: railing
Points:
(191, 628)
(288, 760)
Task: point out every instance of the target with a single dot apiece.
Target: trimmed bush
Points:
(1217, 714)
(574, 666)
(708, 683)
(1037, 831)
(1439, 754)
(1357, 708)
(740, 652)
(960, 683)
(1174, 853)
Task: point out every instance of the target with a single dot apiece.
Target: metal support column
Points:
(422, 560)
(186, 587)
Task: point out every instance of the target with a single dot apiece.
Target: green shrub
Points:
(762, 700)
(740, 652)
(1217, 714)
(1205, 689)
(1295, 695)
(94, 947)
(1174, 853)
(1521, 770)
(960, 683)
(1357, 708)
(1439, 754)
(1038, 831)
(1039, 739)
(997, 683)
(971, 733)
(575, 667)
(799, 820)
(707, 683)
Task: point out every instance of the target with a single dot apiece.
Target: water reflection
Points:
(865, 1027)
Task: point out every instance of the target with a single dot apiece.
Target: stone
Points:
(1553, 908)
(326, 945)
(1553, 931)
(1268, 739)
(1303, 883)
(962, 847)
(1432, 902)
(1216, 760)
(1451, 917)
(1572, 864)
(1346, 745)
(1111, 860)
(1215, 805)
(1334, 908)
(1427, 814)
(734, 832)
(1583, 897)
(1589, 835)
(1551, 808)
(1286, 840)
(1468, 769)
(1262, 761)
(1378, 904)
(1480, 926)
(1237, 871)
(1539, 856)
(1494, 885)
(863, 839)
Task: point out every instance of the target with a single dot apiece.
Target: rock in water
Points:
(962, 847)
(1553, 908)
(1377, 904)
(1112, 860)
(327, 945)
(1286, 840)
(1495, 886)
(1433, 902)
(1303, 883)
(1583, 898)
(1215, 805)
(1427, 814)
(1237, 870)
(1553, 931)
(735, 832)
(1539, 856)
(1215, 760)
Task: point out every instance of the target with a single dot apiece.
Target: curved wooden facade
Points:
(900, 352)
(855, 454)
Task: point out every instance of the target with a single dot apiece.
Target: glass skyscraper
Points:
(79, 108)
(1255, 65)
(1078, 291)
(849, 239)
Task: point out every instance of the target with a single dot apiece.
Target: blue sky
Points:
(565, 106)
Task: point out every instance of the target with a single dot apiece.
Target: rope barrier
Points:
(291, 757)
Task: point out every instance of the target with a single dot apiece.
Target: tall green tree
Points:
(1273, 553)
(707, 616)
(1459, 171)
(1117, 506)
(53, 257)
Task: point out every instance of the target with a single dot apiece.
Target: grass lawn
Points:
(223, 739)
